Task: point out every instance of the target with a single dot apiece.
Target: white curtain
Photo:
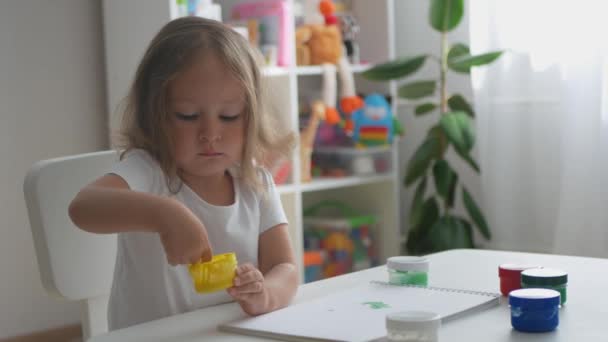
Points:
(542, 123)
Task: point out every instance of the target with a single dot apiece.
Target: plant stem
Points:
(442, 75)
(443, 101)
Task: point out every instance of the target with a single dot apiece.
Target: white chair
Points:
(73, 264)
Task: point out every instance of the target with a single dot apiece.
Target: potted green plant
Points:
(433, 225)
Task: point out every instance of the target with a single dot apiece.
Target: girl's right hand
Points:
(183, 235)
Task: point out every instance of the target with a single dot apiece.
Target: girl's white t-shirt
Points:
(145, 285)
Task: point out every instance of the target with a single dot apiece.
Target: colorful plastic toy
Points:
(313, 265)
(345, 239)
(374, 124)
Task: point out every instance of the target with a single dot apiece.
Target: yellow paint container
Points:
(214, 275)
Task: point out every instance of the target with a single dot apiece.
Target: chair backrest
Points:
(73, 264)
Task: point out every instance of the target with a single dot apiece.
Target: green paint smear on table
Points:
(377, 305)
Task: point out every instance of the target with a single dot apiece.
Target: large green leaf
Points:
(467, 157)
(475, 214)
(450, 232)
(464, 63)
(458, 50)
(395, 69)
(417, 239)
(457, 127)
(457, 102)
(445, 15)
(445, 181)
(415, 243)
(420, 161)
(416, 209)
(430, 214)
(462, 139)
(436, 132)
(424, 108)
(418, 89)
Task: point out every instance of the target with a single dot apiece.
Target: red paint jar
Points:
(510, 276)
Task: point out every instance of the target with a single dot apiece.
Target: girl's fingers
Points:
(232, 292)
(255, 287)
(249, 277)
(194, 259)
(245, 268)
(206, 255)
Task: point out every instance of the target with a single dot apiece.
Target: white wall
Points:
(415, 36)
(51, 104)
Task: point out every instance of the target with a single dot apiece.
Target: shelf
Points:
(318, 184)
(274, 71)
(286, 189)
(317, 69)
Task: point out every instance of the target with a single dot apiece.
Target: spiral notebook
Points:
(359, 313)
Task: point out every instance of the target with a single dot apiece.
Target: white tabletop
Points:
(583, 318)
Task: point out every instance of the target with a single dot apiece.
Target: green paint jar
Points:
(546, 278)
(408, 270)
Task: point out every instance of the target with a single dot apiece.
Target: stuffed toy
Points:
(349, 28)
(317, 44)
(374, 124)
(307, 139)
(325, 44)
(303, 35)
(331, 36)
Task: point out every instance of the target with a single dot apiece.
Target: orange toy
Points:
(327, 7)
(349, 101)
(319, 44)
(325, 44)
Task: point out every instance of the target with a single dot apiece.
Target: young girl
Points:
(187, 185)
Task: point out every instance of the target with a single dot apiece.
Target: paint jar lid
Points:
(538, 299)
(408, 263)
(507, 270)
(544, 276)
(413, 320)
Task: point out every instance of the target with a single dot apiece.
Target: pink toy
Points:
(268, 9)
(281, 173)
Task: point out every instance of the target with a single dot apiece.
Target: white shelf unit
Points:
(316, 69)
(130, 25)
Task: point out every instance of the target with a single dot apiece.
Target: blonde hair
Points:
(176, 47)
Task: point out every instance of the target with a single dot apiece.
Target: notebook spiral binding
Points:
(443, 289)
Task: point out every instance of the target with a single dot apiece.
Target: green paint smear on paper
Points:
(377, 305)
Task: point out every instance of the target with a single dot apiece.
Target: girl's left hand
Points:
(249, 290)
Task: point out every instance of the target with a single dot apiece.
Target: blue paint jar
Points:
(534, 310)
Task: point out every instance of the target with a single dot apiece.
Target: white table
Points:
(584, 317)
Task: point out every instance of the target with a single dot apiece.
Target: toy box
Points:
(344, 237)
(350, 161)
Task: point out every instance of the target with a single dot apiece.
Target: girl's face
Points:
(207, 119)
